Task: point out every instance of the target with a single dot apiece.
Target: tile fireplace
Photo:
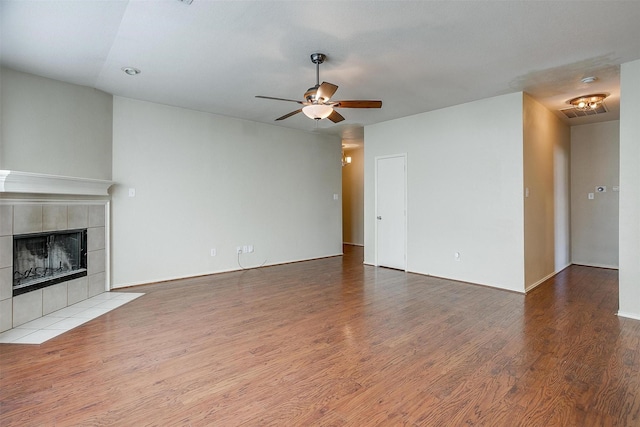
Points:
(59, 228)
(52, 255)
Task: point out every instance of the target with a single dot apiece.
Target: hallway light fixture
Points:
(588, 102)
(345, 159)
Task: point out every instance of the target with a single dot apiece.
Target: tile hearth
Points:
(50, 326)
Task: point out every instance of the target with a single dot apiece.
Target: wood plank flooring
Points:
(332, 342)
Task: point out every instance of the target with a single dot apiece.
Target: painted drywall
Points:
(353, 198)
(465, 183)
(207, 182)
(629, 237)
(595, 161)
(53, 127)
(546, 159)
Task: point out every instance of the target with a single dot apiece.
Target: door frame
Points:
(405, 181)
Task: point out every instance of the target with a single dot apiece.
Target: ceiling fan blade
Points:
(326, 90)
(286, 116)
(335, 117)
(358, 104)
(279, 99)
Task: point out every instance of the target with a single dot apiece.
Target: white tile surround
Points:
(44, 328)
(24, 217)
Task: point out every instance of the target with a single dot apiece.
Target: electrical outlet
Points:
(213, 251)
(250, 249)
(239, 249)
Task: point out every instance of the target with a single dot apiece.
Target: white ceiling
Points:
(417, 56)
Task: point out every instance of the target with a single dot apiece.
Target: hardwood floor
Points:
(332, 342)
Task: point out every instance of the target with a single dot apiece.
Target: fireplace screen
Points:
(41, 260)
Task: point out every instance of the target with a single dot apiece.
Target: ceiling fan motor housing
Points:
(311, 95)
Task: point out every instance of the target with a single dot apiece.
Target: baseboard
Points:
(212, 273)
(584, 264)
(629, 315)
(169, 279)
(544, 279)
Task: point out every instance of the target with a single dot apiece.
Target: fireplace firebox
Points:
(45, 259)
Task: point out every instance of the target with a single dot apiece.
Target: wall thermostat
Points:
(601, 189)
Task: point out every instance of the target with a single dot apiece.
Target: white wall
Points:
(353, 198)
(546, 142)
(465, 183)
(629, 274)
(595, 161)
(204, 181)
(53, 127)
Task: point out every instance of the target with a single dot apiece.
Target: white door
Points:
(390, 211)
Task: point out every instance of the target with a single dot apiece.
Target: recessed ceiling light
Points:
(131, 71)
(589, 79)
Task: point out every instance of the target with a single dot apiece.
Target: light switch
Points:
(132, 192)
(591, 196)
(335, 196)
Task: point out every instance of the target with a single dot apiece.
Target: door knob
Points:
(379, 217)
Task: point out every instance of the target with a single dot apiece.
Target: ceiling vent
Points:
(573, 112)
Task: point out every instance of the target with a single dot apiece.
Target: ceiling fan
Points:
(317, 104)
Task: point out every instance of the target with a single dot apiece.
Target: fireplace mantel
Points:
(37, 183)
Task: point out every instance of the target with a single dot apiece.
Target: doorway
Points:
(353, 194)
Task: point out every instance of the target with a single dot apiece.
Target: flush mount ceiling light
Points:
(588, 102)
(131, 71)
(589, 79)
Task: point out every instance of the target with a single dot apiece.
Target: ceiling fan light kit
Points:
(317, 99)
(317, 111)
